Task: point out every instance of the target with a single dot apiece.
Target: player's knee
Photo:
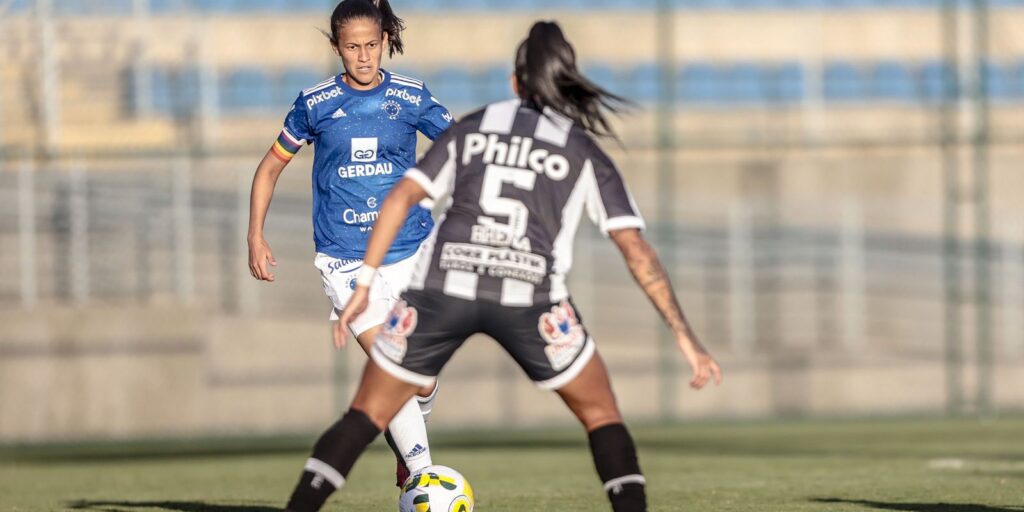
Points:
(598, 415)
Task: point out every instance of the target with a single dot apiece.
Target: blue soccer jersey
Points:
(363, 143)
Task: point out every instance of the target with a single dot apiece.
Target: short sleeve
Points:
(610, 205)
(434, 118)
(296, 132)
(435, 172)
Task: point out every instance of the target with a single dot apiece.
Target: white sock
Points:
(427, 402)
(409, 431)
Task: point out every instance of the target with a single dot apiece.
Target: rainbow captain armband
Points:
(286, 146)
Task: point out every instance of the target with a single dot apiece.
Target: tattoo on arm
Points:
(649, 273)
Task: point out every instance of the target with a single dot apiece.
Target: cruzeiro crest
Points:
(392, 108)
(565, 336)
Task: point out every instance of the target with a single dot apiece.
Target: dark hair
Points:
(547, 76)
(377, 10)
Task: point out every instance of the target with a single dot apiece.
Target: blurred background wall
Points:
(834, 185)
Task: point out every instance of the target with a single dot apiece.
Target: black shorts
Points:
(425, 328)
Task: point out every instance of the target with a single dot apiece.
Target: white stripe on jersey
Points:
(295, 140)
(322, 85)
(398, 81)
(409, 79)
(499, 117)
(553, 127)
(572, 212)
(516, 293)
(461, 284)
(444, 183)
(625, 222)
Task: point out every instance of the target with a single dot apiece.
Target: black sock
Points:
(334, 454)
(615, 459)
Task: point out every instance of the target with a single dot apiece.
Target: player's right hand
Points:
(356, 305)
(261, 259)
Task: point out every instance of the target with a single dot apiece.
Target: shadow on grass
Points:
(921, 507)
(178, 506)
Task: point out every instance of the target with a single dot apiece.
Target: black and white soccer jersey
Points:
(519, 181)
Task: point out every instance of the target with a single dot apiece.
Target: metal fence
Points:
(854, 258)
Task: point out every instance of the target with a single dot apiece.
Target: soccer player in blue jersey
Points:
(362, 124)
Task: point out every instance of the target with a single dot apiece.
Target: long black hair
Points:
(377, 10)
(547, 76)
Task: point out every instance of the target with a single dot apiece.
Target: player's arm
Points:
(646, 268)
(260, 256)
(392, 216)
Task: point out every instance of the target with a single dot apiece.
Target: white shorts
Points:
(339, 278)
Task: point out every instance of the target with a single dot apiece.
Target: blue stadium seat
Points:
(787, 84)
(496, 84)
(935, 77)
(455, 87)
(293, 80)
(640, 83)
(892, 81)
(998, 82)
(603, 76)
(843, 81)
(1017, 74)
(247, 89)
(742, 83)
(698, 83)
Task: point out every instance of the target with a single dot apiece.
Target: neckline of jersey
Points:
(384, 82)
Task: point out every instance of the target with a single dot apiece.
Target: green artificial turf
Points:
(905, 465)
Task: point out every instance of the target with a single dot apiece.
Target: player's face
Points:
(360, 46)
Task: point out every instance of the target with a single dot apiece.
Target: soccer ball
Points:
(436, 489)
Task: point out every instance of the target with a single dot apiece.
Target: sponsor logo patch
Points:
(364, 149)
(323, 96)
(338, 114)
(564, 334)
(402, 94)
(393, 339)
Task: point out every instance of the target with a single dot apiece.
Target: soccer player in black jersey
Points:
(520, 174)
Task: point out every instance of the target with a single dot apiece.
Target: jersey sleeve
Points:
(434, 117)
(610, 205)
(296, 132)
(435, 172)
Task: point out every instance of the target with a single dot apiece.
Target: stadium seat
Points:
(1017, 75)
(843, 81)
(247, 89)
(603, 75)
(892, 80)
(786, 84)
(640, 83)
(998, 82)
(495, 84)
(742, 83)
(455, 87)
(698, 83)
(935, 77)
(293, 80)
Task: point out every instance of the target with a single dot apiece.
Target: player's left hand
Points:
(704, 366)
(355, 307)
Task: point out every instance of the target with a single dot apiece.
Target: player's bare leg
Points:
(379, 398)
(407, 432)
(589, 396)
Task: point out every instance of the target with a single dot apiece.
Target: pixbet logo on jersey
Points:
(402, 94)
(321, 97)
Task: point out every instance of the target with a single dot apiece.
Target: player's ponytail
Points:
(547, 76)
(379, 11)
